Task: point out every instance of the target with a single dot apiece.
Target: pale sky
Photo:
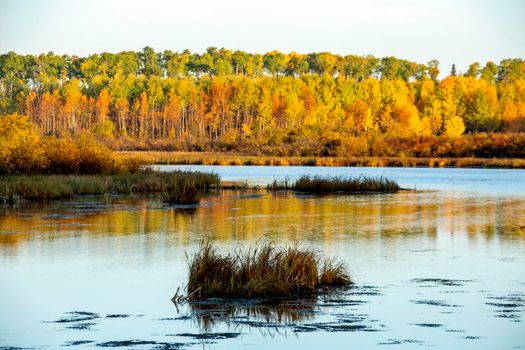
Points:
(451, 31)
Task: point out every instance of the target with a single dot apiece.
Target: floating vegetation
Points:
(262, 271)
(322, 184)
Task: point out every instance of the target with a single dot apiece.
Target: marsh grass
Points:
(215, 158)
(322, 184)
(263, 270)
(177, 186)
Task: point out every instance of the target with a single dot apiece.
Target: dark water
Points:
(443, 268)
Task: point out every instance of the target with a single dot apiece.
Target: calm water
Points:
(441, 268)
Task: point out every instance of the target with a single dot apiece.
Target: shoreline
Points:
(238, 159)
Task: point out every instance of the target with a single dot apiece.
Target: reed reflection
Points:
(238, 314)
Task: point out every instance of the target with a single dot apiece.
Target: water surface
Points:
(441, 268)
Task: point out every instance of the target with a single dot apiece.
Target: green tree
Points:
(150, 62)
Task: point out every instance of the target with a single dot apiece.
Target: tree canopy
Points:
(229, 96)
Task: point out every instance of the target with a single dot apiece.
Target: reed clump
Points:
(213, 158)
(261, 271)
(322, 184)
(176, 186)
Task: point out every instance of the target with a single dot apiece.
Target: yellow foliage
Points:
(62, 154)
(454, 126)
(359, 117)
(19, 146)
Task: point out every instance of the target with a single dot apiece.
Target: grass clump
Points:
(262, 271)
(320, 184)
(176, 186)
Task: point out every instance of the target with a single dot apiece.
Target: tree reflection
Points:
(232, 215)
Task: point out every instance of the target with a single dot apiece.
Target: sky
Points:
(451, 31)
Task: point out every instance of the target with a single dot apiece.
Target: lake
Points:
(442, 266)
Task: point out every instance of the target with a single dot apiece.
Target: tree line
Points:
(231, 98)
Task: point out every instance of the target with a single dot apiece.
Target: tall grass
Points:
(321, 184)
(262, 271)
(211, 158)
(176, 186)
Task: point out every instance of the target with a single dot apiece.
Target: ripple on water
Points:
(209, 336)
(117, 316)
(76, 316)
(441, 303)
(509, 306)
(400, 342)
(78, 342)
(441, 281)
(141, 344)
(428, 325)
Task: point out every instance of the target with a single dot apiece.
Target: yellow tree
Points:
(171, 115)
(454, 126)
(72, 96)
(104, 126)
(143, 114)
(122, 114)
(102, 106)
(310, 105)
(359, 117)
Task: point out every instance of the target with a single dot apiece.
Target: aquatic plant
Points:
(176, 186)
(263, 270)
(321, 184)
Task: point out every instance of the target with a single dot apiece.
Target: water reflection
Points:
(335, 310)
(283, 216)
(432, 268)
(212, 313)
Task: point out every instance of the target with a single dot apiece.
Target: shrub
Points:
(62, 154)
(20, 150)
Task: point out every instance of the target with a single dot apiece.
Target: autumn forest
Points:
(317, 104)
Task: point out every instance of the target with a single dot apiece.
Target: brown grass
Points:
(323, 184)
(205, 158)
(176, 186)
(262, 271)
